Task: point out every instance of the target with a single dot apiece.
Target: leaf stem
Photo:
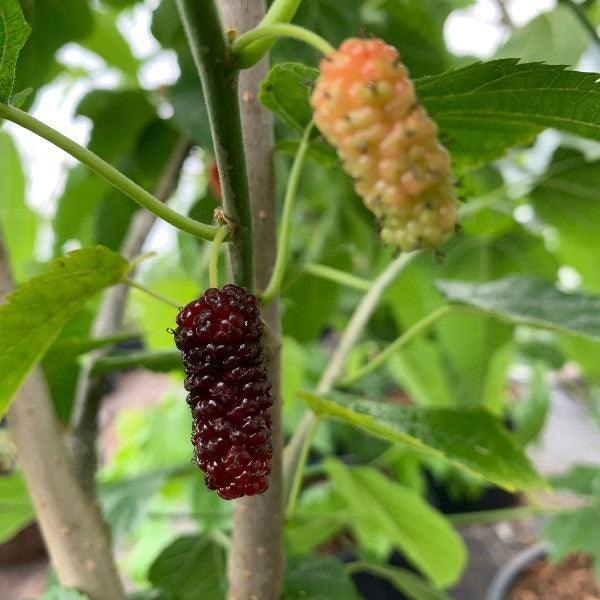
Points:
(109, 173)
(280, 11)
(213, 265)
(392, 348)
(337, 276)
(298, 447)
(132, 283)
(214, 61)
(286, 220)
(270, 32)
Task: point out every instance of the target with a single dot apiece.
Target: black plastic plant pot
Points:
(510, 572)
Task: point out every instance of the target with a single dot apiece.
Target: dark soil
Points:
(571, 579)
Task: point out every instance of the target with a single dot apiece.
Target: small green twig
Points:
(337, 276)
(307, 429)
(286, 220)
(215, 65)
(299, 445)
(280, 11)
(213, 266)
(109, 173)
(152, 293)
(392, 348)
(270, 32)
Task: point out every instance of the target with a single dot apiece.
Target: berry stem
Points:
(270, 32)
(132, 283)
(285, 229)
(280, 11)
(214, 62)
(213, 265)
(109, 173)
(392, 348)
(297, 449)
(337, 276)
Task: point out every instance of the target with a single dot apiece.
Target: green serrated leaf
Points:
(422, 534)
(529, 301)
(14, 32)
(470, 438)
(33, 315)
(486, 108)
(317, 577)
(483, 109)
(191, 568)
(286, 91)
(16, 510)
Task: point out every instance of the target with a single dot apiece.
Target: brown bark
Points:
(70, 521)
(256, 561)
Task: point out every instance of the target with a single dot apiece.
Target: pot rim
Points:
(507, 574)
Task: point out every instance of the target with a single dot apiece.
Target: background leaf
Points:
(472, 439)
(58, 592)
(422, 534)
(18, 223)
(191, 568)
(37, 63)
(567, 200)
(411, 585)
(16, 510)
(33, 315)
(554, 37)
(530, 301)
(317, 577)
(14, 31)
(286, 92)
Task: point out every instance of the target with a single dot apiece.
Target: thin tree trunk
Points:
(70, 520)
(256, 559)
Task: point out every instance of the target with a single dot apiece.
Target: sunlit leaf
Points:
(14, 31)
(473, 439)
(33, 315)
(530, 301)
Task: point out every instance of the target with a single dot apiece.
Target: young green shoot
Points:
(286, 220)
(109, 173)
(271, 32)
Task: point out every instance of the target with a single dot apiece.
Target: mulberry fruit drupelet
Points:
(365, 104)
(220, 338)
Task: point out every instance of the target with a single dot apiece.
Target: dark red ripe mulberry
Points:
(220, 338)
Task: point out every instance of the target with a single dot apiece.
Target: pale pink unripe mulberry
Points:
(365, 104)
